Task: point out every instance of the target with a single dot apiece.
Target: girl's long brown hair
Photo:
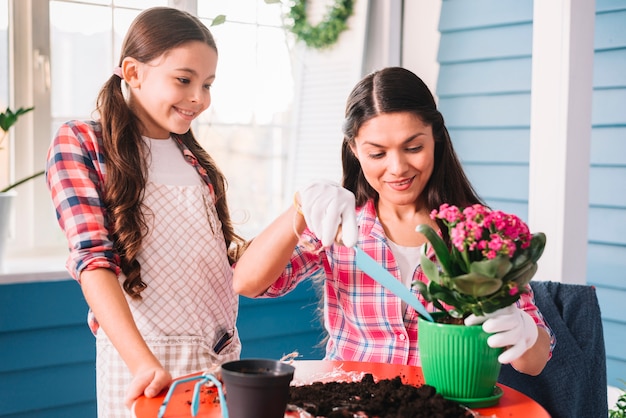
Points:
(152, 33)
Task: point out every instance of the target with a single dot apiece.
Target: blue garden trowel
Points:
(377, 272)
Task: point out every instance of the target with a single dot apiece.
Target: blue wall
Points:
(484, 92)
(47, 353)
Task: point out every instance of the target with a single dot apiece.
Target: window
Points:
(75, 45)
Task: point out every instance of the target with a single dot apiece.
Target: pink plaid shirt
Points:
(365, 322)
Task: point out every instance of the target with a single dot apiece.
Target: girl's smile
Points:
(169, 92)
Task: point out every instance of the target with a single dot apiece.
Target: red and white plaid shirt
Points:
(365, 322)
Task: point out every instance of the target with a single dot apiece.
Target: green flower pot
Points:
(457, 361)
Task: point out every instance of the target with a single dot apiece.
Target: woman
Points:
(398, 165)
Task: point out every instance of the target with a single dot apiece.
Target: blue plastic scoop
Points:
(386, 279)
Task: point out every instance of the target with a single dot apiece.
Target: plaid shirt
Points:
(75, 175)
(364, 321)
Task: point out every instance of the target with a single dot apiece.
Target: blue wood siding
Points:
(606, 257)
(47, 353)
(484, 94)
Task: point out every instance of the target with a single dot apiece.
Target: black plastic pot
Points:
(256, 388)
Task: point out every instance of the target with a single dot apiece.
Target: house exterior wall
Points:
(484, 84)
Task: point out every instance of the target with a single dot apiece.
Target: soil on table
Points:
(387, 398)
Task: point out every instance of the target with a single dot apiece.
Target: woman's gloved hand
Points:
(511, 327)
(325, 206)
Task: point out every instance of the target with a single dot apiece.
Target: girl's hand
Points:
(149, 382)
(326, 206)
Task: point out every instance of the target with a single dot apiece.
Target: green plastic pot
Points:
(457, 361)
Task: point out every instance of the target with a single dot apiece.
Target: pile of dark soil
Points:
(388, 398)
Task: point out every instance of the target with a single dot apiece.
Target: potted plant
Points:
(8, 118)
(491, 258)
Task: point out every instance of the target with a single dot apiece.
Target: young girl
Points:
(398, 165)
(143, 208)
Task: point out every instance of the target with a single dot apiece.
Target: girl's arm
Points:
(105, 297)
(267, 255)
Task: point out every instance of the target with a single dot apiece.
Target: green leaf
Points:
(523, 275)
(537, 245)
(8, 117)
(496, 268)
(218, 20)
(476, 285)
(430, 269)
(441, 250)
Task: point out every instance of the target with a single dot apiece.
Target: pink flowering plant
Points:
(490, 261)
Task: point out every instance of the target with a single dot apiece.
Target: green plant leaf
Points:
(523, 275)
(430, 269)
(8, 117)
(476, 285)
(441, 250)
(218, 20)
(496, 268)
(537, 245)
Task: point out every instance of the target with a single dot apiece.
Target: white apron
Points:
(189, 304)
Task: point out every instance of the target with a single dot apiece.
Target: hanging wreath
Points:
(328, 30)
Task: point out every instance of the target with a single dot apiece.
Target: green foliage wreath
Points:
(328, 30)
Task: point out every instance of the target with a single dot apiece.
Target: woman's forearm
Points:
(267, 255)
(535, 358)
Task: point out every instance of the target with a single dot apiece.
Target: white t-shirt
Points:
(407, 258)
(166, 164)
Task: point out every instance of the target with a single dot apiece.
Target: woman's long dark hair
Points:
(152, 33)
(396, 89)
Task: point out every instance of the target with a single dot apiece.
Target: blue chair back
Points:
(574, 382)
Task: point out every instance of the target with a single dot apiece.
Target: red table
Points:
(513, 404)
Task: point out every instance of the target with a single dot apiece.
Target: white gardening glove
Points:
(511, 327)
(325, 206)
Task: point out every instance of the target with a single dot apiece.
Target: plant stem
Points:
(24, 180)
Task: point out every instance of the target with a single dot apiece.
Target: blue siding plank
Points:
(608, 107)
(615, 339)
(608, 146)
(506, 111)
(607, 225)
(501, 182)
(46, 347)
(486, 44)
(606, 265)
(603, 181)
(609, 68)
(609, 30)
(456, 15)
(39, 389)
(280, 318)
(309, 347)
(610, 5)
(615, 371)
(502, 146)
(613, 309)
(485, 77)
(50, 304)
(84, 410)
